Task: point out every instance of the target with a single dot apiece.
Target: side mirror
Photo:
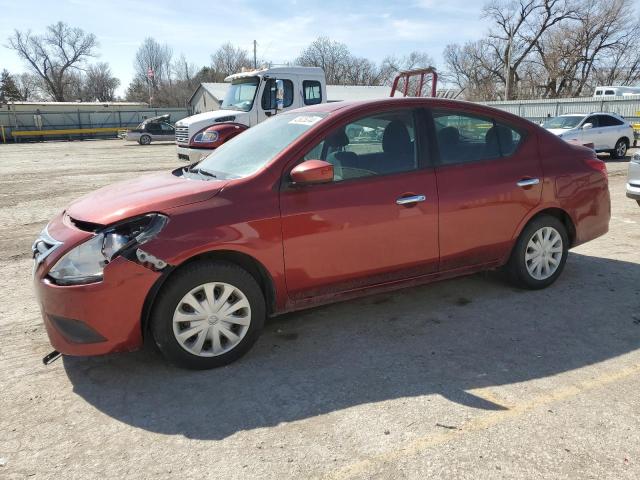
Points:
(587, 126)
(279, 95)
(312, 172)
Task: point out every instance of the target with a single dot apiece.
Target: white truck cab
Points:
(251, 98)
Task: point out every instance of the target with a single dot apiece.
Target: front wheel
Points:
(208, 315)
(539, 254)
(145, 140)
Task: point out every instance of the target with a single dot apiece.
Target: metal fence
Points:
(537, 110)
(29, 125)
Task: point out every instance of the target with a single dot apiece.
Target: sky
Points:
(282, 28)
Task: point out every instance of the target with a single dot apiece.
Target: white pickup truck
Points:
(251, 98)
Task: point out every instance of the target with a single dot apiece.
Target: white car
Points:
(608, 132)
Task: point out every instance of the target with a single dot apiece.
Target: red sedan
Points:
(317, 205)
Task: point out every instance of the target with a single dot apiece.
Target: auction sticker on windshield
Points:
(305, 120)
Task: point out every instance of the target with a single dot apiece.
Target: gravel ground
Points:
(467, 378)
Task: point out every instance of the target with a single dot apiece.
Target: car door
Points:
(153, 129)
(167, 131)
(489, 178)
(611, 131)
(594, 134)
(375, 223)
(268, 97)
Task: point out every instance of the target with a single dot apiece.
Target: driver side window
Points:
(375, 145)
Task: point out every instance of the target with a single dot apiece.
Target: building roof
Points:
(336, 93)
(217, 90)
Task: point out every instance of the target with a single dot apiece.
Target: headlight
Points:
(85, 263)
(206, 137)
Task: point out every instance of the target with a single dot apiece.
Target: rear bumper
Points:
(192, 155)
(98, 318)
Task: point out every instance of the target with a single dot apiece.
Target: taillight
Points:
(598, 165)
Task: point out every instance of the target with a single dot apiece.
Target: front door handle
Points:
(528, 182)
(411, 199)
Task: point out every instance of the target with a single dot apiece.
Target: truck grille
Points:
(182, 134)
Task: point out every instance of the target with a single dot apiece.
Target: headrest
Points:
(499, 133)
(396, 139)
(449, 136)
(338, 139)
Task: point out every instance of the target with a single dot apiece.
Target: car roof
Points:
(612, 114)
(391, 102)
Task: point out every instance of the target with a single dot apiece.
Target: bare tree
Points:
(517, 27)
(474, 69)
(155, 57)
(393, 64)
(333, 57)
(30, 87)
(228, 60)
(100, 84)
(55, 55)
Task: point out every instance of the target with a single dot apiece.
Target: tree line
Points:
(532, 49)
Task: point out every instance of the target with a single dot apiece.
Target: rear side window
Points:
(593, 120)
(609, 121)
(312, 92)
(464, 137)
(269, 94)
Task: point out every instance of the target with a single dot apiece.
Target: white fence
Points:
(537, 110)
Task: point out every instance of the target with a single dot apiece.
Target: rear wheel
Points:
(620, 150)
(208, 315)
(145, 140)
(540, 253)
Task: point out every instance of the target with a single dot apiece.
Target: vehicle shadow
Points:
(444, 339)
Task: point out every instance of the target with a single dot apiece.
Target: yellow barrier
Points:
(70, 131)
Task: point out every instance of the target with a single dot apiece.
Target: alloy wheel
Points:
(543, 253)
(621, 149)
(211, 319)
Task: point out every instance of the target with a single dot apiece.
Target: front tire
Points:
(620, 150)
(144, 140)
(540, 253)
(209, 314)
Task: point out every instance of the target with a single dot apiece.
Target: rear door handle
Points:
(411, 199)
(528, 182)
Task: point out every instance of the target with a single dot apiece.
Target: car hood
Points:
(149, 193)
(211, 117)
(558, 131)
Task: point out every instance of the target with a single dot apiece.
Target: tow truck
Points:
(256, 95)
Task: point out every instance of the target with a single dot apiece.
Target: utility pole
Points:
(255, 56)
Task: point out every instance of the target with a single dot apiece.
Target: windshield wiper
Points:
(202, 171)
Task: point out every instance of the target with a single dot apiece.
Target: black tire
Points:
(144, 140)
(620, 150)
(517, 266)
(182, 282)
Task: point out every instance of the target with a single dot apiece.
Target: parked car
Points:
(633, 178)
(154, 129)
(295, 213)
(609, 132)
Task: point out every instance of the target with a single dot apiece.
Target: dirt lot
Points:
(468, 378)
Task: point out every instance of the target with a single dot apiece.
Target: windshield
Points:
(240, 94)
(563, 122)
(253, 149)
